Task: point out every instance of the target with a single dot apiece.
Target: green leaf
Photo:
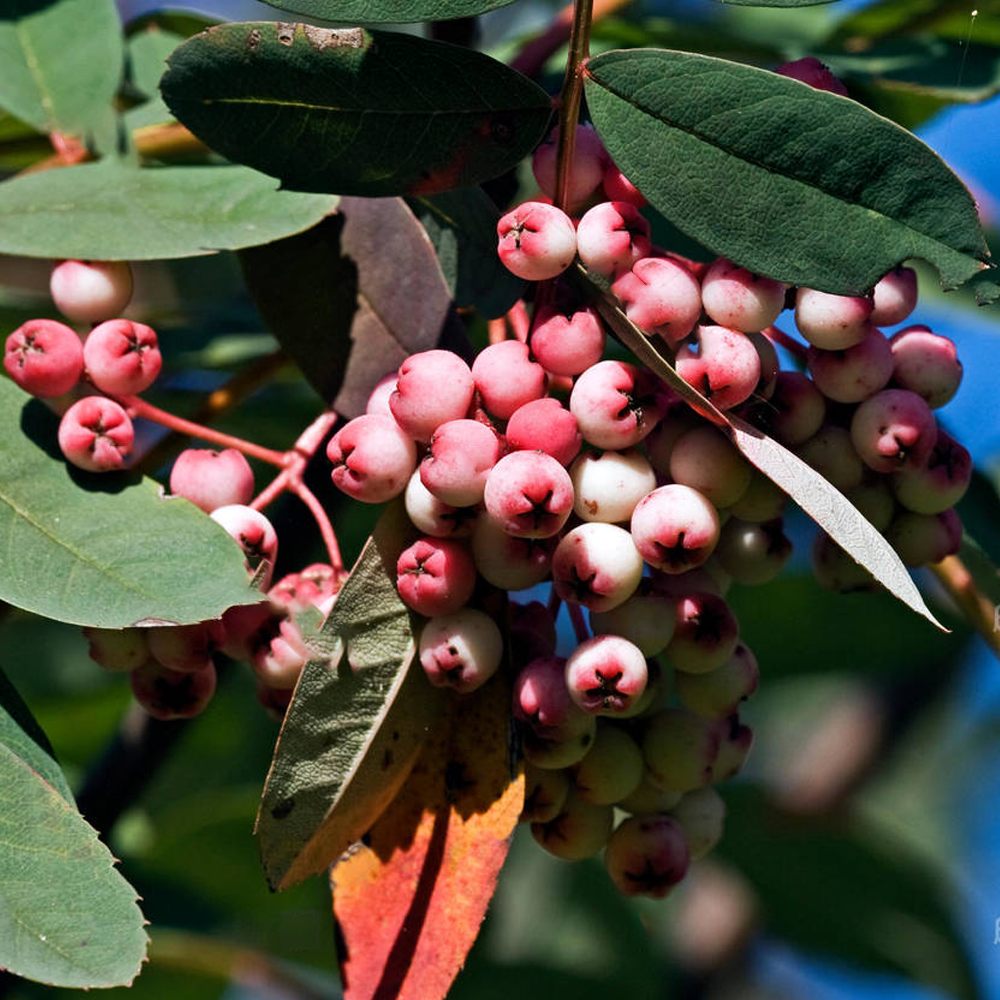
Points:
(936, 67)
(825, 504)
(387, 11)
(67, 917)
(23, 736)
(462, 225)
(146, 53)
(103, 549)
(776, 3)
(896, 902)
(60, 62)
(892, 18)
(341, 304)
(316, 107)
(355, 725)
(109, 211)
(796, 183)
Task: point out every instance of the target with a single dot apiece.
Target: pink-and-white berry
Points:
(596, 565)
(937, 484)
(589, 162)
(675, 528)
(96, 434)
(186, 647)
(117, 649)
(435, 576)
(895, 296)
(255, 535)
(169, 694)
(44, 357)
(832, 322)
(91, 291)
(432, 516)
(661, 296)
(617, 187)
(854, 373)
(722, 364)
(506, 561)
(705, 633)
(372, 458)
(611, 237)
(460, 458)
(529, 494)
(927, 364)
(739, 299)
(542, 700)
(606, 675)
(536, 241)
(616, 404)
(893, 427)
(507, 377)
(545, 425)
(431, 387)
(461, 650)
(607, 485)
(647, 856)
(121, 357)
(567, 342)
(211, 479)
(279, 653)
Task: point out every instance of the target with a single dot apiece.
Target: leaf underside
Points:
(796, 183)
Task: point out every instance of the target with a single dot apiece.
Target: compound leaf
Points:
(356, 724)
(60, 62)
(351, 111)
(110, 211)
(67, 917)
(103, 549)
(387, 11)
(793, 182)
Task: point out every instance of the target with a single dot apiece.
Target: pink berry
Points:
(794, 412)
(211, 479)
(705, 634)
(378, 400)
(606, 675)
(893, 427)
(172, 694)
(122, 357)
(832, 322)
(435, 517)
(507, 377)
(647, 856)
(596, 565)
(545, 425)
(461, 651)
(255, 535)
(567, 343)
(617, 187)
(895, 297)
(44, 357)
(529, 494)
(536, 241)
(927, 364)
(279, 653)
(660, 295)
(589, 162)
(541, 699)
(435, 576)
(616, 404)
(432, 387)
(675, 528)
(612, 236)
(91, 291)
(739, 299)
(854, 373)
(722, 364)
(461, 455)
(811, 71)
(186, 647)
(938, 484)
(117, 649)
(96, 434)
(372, 458)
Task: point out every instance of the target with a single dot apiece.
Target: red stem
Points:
(307, 496)
(579, 625)
(517, 316)
(782, 339)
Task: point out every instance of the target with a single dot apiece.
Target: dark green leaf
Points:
(60, 61)
(847, 891)
(342, 304)
(351, 111)
(825, 504)
(23, 737)
(936, 67)
(462, 225)
(105, 550)
(387, 11)
(147, 52)
(793, 182)
(355, 725)
(776, 3)
(110, 211)
(67, 917)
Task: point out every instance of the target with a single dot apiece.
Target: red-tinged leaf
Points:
(825, 504)
(409, 901)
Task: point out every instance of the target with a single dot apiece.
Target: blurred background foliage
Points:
(860, 857)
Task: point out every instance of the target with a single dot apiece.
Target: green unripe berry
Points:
(611, 769)
(701, 815)
(545, 792)
(579, 831)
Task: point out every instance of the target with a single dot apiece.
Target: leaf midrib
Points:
(476, 111)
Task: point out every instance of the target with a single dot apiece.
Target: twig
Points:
(571, 98)
(977, 608)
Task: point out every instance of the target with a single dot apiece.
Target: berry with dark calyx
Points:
(211, 479)
(607, 485)
(117, 649)
(567, 342)
(753, 552)
(91, 291)
(611, 237)
(606, 675)
(461, 650)
(616, 404)
(508, 562)
(435, 576)
(507, 377)
(722, 364)
(431, 388)
(545, 425)
(646, 619)
(255, 535)
(611, 769)
(927, 364)
(596, 565)
(675, 528)
(661, 296)
(121, 357)
(892, 428)
(832, 322)
(647, 856)
(579, 830)
(701, 814)
(705, 634)
(44, 357)
(169, 694)
(529, 494)
(536, 241)
(895, 296)
(461, 455)
(545, 791)
(680, 748)
(718, 693)
(372, 458)
(96, 434)
(739, 299)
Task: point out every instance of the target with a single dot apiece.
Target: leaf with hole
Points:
(360, 715)
(351, 111)
(796, 183)
(103, 549)
(111, 211)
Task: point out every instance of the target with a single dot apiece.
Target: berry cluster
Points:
(544, 462)
(172, 668)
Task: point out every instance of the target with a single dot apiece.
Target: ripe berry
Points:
(589, 162)
(435, 576)
(596, 565)
(938, 484)
(661, 296)
(545, 425)
(536, 241)
(607, 485)
(431, 387)
(893, 427)
(675, 528)
(647, 856)
(508, 562)
(372, 458)
(91, 291)
(44, 357)
(507, 377)
(722, 364)
(895, 297)
(855, 373)
(122, 357)
(529, 494)
(739, 299)
(278, 654)
(460, 458)
(172, 694)
(832, 322)
(255, 535)
(432, 516)
(926, 364)
(118, 649)
(212, 479)
(616, 404)
(705, 634)
(606, 675)
(460, 650)
(611, 237)
(186, 647)
(567, 343)
(96, 434)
